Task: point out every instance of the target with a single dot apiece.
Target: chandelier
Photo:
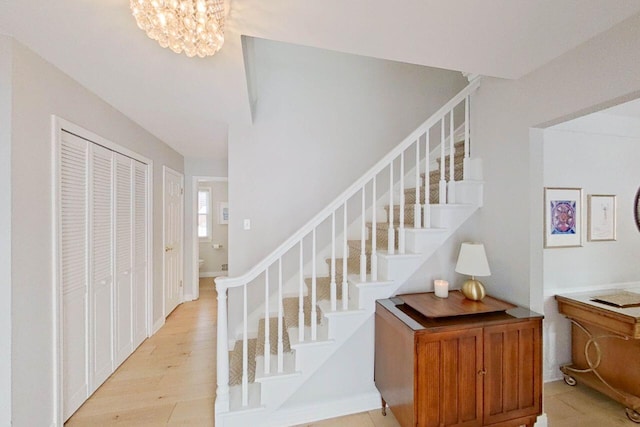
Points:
(195, 27)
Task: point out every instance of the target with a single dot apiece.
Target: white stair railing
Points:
(323, 234)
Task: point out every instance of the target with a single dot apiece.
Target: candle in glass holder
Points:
(441, 288)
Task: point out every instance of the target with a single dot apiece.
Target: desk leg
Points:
(597, 381)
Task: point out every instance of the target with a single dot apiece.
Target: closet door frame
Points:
(58, 125)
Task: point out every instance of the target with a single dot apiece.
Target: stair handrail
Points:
(223, 283)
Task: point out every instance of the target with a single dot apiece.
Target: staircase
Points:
(304, 348)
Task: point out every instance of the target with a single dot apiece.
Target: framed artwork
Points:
(562, 217)
(601, 217)
(223, 213)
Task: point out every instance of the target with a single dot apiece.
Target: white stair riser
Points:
(425, 242)
(469, 192)
(450, 216)
(396, 268)
(369, 295)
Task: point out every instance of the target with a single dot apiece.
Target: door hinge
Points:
(180, 283)
(181, 191)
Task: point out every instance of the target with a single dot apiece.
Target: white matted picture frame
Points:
(562, 217)
(223, 212)
(601, 217)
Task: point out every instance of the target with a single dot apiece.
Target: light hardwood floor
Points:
(170, 380)
(565, 407)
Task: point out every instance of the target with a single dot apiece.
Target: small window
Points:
(204, 214)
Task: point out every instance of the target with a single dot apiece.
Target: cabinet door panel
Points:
(513, 364)
(449, 389)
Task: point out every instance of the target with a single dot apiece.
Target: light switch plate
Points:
(247, 224)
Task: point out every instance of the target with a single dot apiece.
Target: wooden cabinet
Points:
(458, 370)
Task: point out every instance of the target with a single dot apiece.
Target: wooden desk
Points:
(463, 369)
(605, 348)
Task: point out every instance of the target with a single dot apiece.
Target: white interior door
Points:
(73, 271)
(173, 221)
(101, 265)
(123, 258)
(139, 253)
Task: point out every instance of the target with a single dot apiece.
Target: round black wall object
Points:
(636, 209)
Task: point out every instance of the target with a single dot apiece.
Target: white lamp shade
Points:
(472, 260)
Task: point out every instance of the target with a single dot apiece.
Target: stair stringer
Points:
(310, 357)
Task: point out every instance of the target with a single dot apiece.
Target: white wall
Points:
(5, 230)
(599, 73)
(598, 153)
(40, 90)
(214, 258)
(195, 167)
(321, 120)
(600, 163)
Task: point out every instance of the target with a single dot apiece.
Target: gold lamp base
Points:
(473, 290)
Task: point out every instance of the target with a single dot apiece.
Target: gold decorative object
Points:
(472, 261)
(473, 289)
(195, 27)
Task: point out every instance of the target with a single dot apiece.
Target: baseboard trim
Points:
(542, 420)
(324, 410)
(212, 273)
(188, 297)
(157, 325)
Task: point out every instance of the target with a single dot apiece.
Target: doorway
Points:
(210, 227)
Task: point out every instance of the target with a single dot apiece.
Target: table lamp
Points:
(472, 261)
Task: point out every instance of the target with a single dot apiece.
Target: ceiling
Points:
(190, 102)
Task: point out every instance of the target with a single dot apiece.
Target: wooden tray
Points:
(457, 304)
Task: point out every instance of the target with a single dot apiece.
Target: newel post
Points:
(222, 391)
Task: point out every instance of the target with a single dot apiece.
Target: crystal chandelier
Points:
(193, 26)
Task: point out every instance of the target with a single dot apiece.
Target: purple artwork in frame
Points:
(563, 217)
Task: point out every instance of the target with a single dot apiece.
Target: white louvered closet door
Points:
(139, 253)
(123, 257)
(101, 264)
(73, 271)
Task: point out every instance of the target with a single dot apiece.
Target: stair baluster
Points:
(363, 234)
(374, 233)
(267, 324)
(333, 262)
(427, 184)
(222, 359)
(314, 318)
(280, 318)
(401, 213)
(345, 251)
(442, 196)
(416, 206)
(451, 193)
(245, 349)
(467, 153)
(391, 233)
(300, 296)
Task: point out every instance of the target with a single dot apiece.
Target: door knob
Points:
(482, 372)
(167, 248)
